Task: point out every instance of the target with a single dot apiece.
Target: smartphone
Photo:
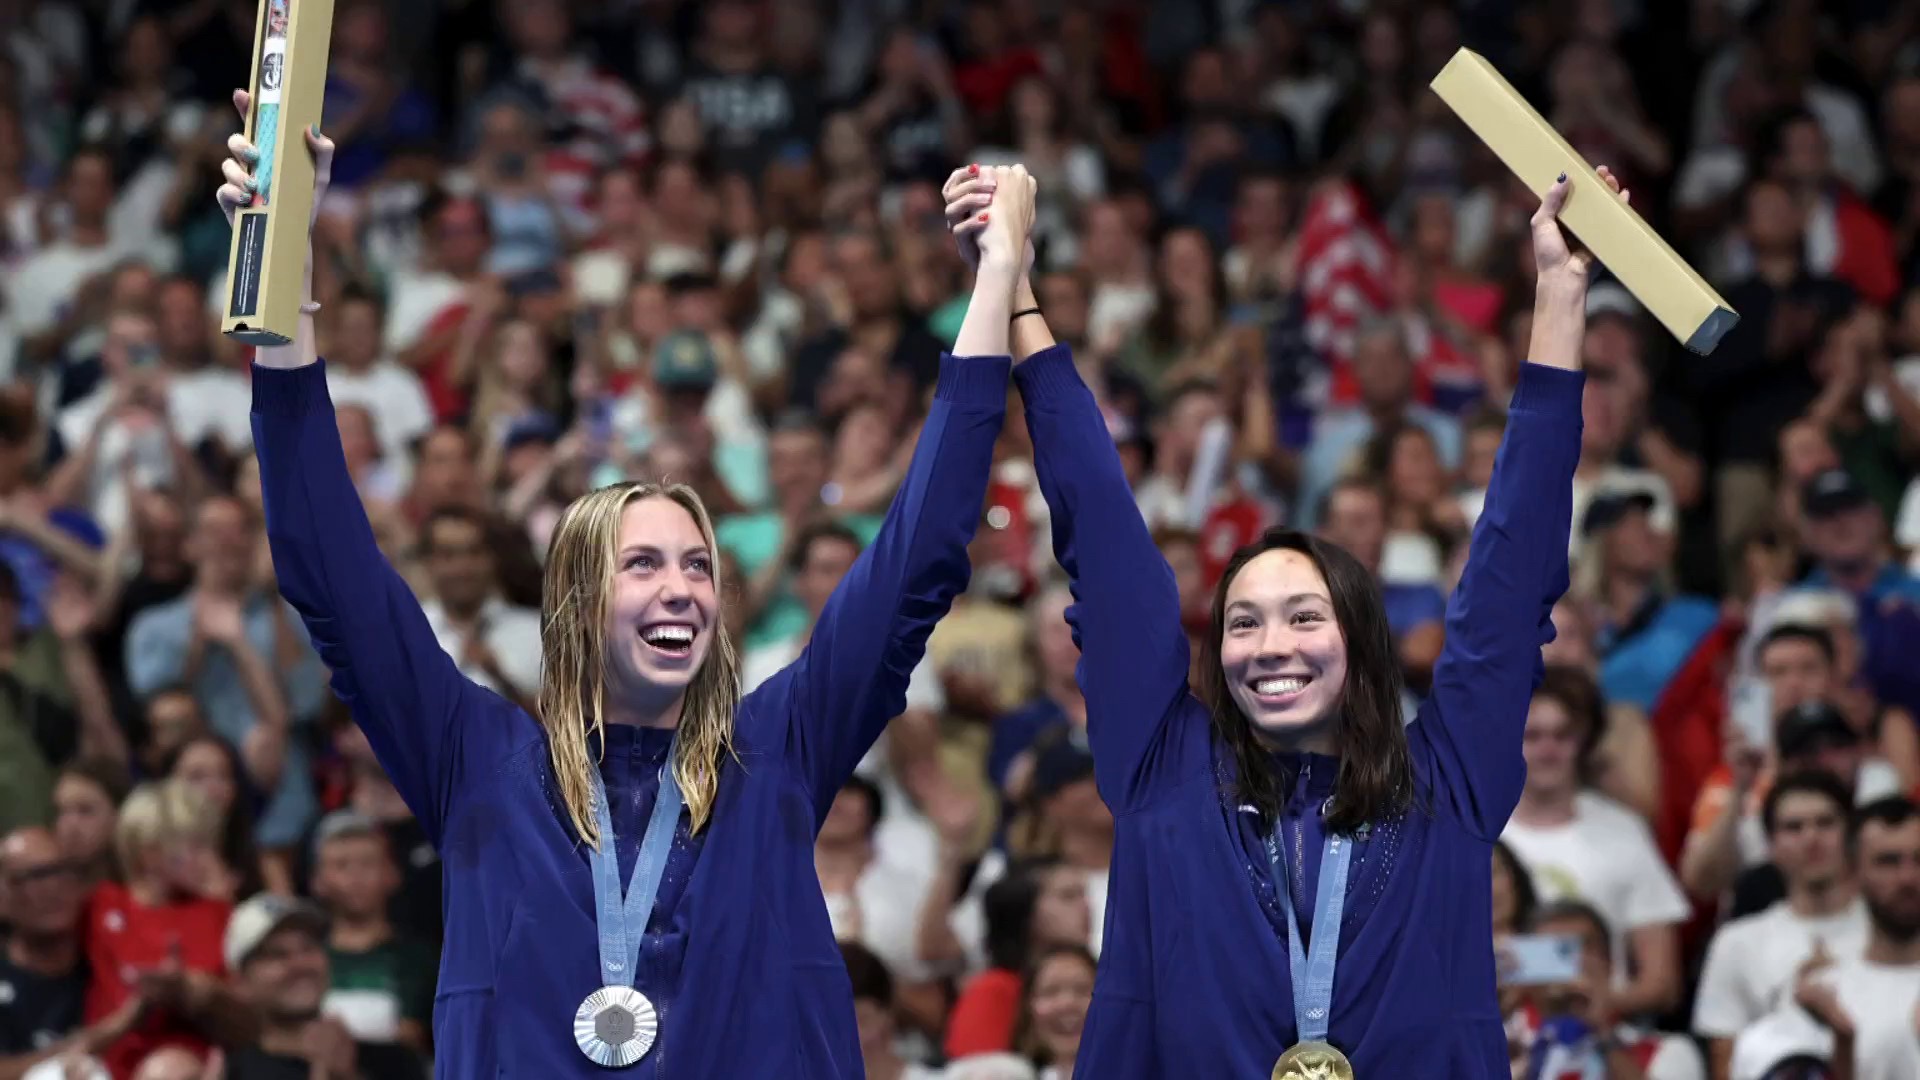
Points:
(1751, 710)
(1539, 959)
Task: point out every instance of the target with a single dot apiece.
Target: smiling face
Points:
(1062, 993)
(1283, 651)
(662, 608)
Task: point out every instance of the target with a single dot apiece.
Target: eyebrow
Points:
(1291, 601)
(655, 549)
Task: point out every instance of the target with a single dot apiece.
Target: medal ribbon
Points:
(1313, 974)
(622, 921)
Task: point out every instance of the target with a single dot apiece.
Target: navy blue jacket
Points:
(1194, 977)
(740, 955)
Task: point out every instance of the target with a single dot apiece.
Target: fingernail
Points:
(974, 169)
(983, 219)
(250, 156)
(315, 130)
(1562, 180)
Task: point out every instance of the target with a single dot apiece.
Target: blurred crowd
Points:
(576, 240)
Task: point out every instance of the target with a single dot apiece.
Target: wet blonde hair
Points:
(159, 813)
(581, 562)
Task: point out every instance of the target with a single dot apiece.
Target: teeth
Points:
(660, 634)
(1287, 685)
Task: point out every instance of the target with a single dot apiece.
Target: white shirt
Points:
(969, 919)
(883, 913)
(1879, 999)
(513, 633)
(1906, 531)
(904, 838)
(1753, 961)
(211, 402)
(41, 289)
(395, 399)
(416, 301)
(200, 404)
(1605, 857)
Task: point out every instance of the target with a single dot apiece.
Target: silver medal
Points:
(615, 1026)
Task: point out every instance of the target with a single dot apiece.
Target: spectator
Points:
(873, 1013)
(415, 910)
(382, 981)
(1753, 961)
(1353, 514)
(1058, 991)
(1579, 845)
(1846, 535)
(871, 899)
(246, 657)
(1038, 906)
(360, 373)
(495, 643)
(155, 935)
(128, 433)
(276, 949)
(42, 966)
(1383, 372)
(1058, 701)
(1062, 814)
(86, 807)
(1646, 631)
(210, 768)
(1861, 1005)
(56, 706)
(1625, 1049)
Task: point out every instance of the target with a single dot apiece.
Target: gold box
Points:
(266, 266)
(1648, 266)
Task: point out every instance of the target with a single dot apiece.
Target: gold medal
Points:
(1313, 1061)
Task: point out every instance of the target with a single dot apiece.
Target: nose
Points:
(1277, 644)
(674, 590)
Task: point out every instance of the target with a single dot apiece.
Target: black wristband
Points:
(1023, 311)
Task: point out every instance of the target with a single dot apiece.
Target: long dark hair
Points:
(1375, 780)
(1026, 1042)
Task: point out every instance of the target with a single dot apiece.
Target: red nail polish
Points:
(983, 219)
(974, 169)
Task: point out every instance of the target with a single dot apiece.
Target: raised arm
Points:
(1500, 615)
(1126, 615)
(365, 623)
(852, 677)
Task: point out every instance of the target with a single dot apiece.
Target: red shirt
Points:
(983, 1018)
(122, 938)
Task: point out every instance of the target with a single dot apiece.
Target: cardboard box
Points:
(1648, 266)
(266, 267)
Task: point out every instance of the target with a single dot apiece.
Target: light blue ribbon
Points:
(622, 921)
(1313, 974)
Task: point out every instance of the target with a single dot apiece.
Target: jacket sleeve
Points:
(363, 620)
(851, 679)
(1501, 613)
(1126, 610)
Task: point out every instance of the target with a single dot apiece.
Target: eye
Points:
(700, 564)
(1301, 617)
(1240, 622)
(641, 562)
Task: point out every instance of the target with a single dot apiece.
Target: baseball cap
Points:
(259, 917)
(1834, 491)
(1608, 298)
(684, 360)
(537, 427)
(1809, 726)
(1607, 508)
(1062, 759)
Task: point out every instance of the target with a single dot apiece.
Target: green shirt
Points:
(374, 991)
(756, 538)
(38, 732)
(1871, 455)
